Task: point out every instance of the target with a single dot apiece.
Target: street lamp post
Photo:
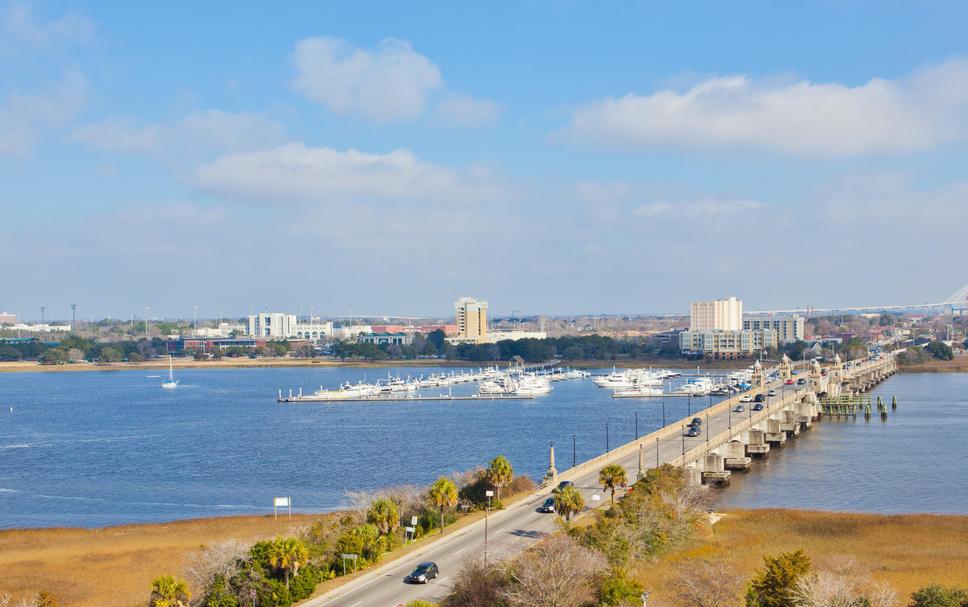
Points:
(683, 440)
(663, 414)
(573, 450)
(636, 425)
(689, 404)
(195, 321)
(606, 438)
(645, 598)
(489, 495)
(707, 427)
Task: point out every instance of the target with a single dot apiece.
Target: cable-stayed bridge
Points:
(957, 301)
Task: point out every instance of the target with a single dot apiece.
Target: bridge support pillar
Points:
(552, 473)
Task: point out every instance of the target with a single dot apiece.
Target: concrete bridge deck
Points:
(729, 441)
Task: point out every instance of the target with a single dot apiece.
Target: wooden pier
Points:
(396, 399)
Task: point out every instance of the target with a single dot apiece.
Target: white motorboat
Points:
(172, 383)
(500, 385)
(696, 387)
(532, 385)
(638, 390)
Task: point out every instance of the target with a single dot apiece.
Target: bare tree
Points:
(707, 583)
(556, 573)
(476, 585)
(842, 588)
(219, 559)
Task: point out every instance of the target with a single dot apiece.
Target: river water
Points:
(103, 448)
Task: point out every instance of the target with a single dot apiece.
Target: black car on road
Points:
(693, 431)
(547, 506)
(758, 407)
(423, 573)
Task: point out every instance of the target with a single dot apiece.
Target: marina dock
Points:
(403, 398)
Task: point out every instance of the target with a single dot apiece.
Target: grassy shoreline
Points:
(115, 565)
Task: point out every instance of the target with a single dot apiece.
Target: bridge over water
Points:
(729, 441)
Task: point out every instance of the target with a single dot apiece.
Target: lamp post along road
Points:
(487, 508)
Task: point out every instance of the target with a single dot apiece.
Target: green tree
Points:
(288, 554)
(443, 495)
(134, 357)
(568, 502)
(110, 355)
(937, 595)
(421, 603)
(500, 473)
(940, 350)
(612, 476)
(774, 585)
(54, 356)
(169, 591)
(384, 516)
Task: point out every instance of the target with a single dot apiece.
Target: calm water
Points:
(104, 448)
(916, 461)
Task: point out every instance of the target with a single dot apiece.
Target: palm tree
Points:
(169, 591)
(612, 476)
(288, 554)
(568, 502)
(384, 516)
(500, 473)
(442, 495)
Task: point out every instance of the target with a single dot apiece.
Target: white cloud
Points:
(921, 110)
(460, 109)
(297, 172)
(24, 115)
(207, 130)
(387, 84)
(19, 27)
(706, 207)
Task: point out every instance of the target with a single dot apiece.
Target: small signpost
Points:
(409, 534)
(349, 557)
(413, 521)
(281, 502)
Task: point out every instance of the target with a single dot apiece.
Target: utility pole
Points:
(18, 321)
(43, 311)
(73, 318)
(195, 321)
(147, 308)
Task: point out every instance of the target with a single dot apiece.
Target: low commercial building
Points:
(789, 328)
(399, 338)
(349, 332)
(726, 344)
(41, 328)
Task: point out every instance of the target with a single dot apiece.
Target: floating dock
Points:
(390, 398)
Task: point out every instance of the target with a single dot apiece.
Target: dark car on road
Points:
(801, 382)
(760, 398)
(423, 573)
(739, 409)
(693, 431)
(548, 505)
(564, 484)
(758, 407)
(696, 422)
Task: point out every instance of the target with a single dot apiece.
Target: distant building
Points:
(272, 324)
(314, 330)
(8, 319)
(495, 336)
(471, 320)
(716, 315)
(788, 328)
(726, 344)
(344, 332)
(41, 328)
(399, 338)
(181, 344)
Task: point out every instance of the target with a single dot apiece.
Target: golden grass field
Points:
(959, 364)
(907, 551)
(114, 566)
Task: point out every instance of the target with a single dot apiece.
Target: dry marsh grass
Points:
(115, 565)
(908, 551)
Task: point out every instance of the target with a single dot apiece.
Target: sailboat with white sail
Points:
(172, 383)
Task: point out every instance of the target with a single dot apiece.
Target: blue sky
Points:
(554, 158)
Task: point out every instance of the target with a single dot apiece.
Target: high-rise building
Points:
(471, 319)
(716, 315)
(272, 324)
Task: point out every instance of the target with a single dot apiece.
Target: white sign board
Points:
(488, 494)
(595, 498)
(280, 502)
(413, 521)
(410, 529)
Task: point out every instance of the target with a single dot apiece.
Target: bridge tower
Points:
(786, 369)
(818, 382)
(757, 378)
(836, 379)
(552, 473)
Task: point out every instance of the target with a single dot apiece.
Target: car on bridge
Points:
(693, 431)
(758, 407)
(564, 484)
(801, 382)
(548, 506)
(696, 421)
(771, 393)
(789, 382)
(739, 409)
(423, 573)
(746, 399)
(760, 398)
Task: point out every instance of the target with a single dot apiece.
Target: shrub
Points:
(774, 586)
(521, 484)
(220, 595)
(273, 593)
(303, 585)
(617, 588)
(937, 595)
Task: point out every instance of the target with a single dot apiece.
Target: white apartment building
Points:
(349, 332)
(788, 328)
(314, 330)
(272, 324)
(716, 315)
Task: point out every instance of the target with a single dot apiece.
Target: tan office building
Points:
(471, 320)
(716, 315)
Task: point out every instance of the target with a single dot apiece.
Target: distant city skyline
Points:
(550, 158)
